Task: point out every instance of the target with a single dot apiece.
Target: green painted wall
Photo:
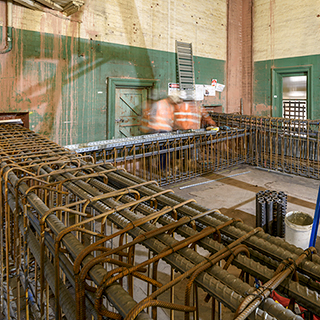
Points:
(62, 81)
(262, 96)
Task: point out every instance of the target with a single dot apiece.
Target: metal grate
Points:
(295, 109)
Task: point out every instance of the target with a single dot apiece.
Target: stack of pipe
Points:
(271, 208)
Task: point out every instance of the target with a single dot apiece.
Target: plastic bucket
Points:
(298, 227)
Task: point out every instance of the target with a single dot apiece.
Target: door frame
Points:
(276, 88)
(129, 83)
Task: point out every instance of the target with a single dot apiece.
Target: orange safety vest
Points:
(161, 116)
(187, 115)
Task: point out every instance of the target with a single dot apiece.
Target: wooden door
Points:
(128, 110)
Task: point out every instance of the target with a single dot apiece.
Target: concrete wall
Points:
(285, 35)
(58, 66)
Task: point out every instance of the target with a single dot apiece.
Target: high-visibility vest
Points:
(161, 116)
(187, 115)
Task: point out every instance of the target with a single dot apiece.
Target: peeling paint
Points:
(262, 110)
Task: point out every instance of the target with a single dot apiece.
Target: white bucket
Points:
(298, 227)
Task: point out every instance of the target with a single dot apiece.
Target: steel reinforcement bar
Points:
(170, 157)
(281, 144)
(68, 225)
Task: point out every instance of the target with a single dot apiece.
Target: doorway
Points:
(291, 92)
(126, 98)
(129, 104)
(294, 97)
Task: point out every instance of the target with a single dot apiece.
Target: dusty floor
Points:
(235, 196)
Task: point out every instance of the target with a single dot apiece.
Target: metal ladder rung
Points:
(187, 67)
(185, 63)
(189, 61)
(186, 75)
(183, 44)
(187, 82)
(185, 51)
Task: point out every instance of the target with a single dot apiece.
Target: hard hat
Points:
(175, 96)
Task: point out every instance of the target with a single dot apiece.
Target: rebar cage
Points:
(281, 144)
(171, 157)
(80, 236)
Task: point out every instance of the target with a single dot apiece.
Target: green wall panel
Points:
(62, 80)
(262, 98)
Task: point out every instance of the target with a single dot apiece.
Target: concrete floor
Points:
(235, 196)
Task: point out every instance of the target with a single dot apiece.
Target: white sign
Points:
(219, 87)
(199, 92)
(209, 90)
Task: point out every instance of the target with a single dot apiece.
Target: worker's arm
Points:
(206, 118)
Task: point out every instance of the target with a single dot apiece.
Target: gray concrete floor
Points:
(235, 196)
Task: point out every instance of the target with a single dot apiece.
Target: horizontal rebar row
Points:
(170, 157)
(85, 237)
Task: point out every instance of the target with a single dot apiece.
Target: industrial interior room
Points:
(103, 215)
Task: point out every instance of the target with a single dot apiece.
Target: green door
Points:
(128, 110)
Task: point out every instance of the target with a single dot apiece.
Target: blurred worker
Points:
(190, 115)
(158, 117)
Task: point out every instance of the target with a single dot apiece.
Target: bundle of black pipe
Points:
(271, 208)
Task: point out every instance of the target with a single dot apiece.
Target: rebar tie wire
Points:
(251, 302)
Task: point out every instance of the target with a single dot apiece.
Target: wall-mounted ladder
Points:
(185, 65)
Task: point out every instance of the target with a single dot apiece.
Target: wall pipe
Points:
(8, 46)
